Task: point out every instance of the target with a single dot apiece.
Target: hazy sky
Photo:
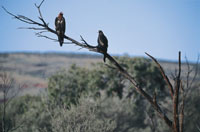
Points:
(159, 27)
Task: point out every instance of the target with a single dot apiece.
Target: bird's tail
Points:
(104, 54)
(61, 43)
(61, 40)
(104, 58)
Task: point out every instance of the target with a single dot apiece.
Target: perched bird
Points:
(102, 44)
(60, 27)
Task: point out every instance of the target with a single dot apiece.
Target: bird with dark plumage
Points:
(60, 27)
(102, 44)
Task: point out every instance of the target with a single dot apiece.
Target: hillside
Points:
(31, 70)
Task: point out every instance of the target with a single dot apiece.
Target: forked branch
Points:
(164, 75)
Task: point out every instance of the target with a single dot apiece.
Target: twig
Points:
(44, 36)
(80, 48)
(163, 74)
(189, 83)
(153, 125)
(87, 43)
(40, 4)
(32, 28)
(40, 17)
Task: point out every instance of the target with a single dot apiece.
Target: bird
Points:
(102, 44)
(60, 27)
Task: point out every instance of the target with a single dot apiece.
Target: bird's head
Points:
(60, 15)
(100, 32)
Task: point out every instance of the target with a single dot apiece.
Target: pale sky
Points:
(159, 27)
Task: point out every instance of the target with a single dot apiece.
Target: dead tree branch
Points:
(182, 109)
(163, 74)
(190, 82)
(177, 121)
(152, 122)
(176, 98)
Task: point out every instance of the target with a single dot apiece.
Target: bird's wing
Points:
(56, 22)
(100, 42)
(64, 24)
(104, 40)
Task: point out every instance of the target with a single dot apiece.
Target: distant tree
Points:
(65, 88)
(115, 85)
(41, 115)
(191, 95)
(8, 93)
(81, 118)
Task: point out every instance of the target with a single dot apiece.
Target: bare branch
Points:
(32, 28)
(176, 98)
(87, 43)
(154, 98)
(23, 18)
(40, 35)
(40, 17)
(56, 40)
(195, 69)
(80, 48)
(83, 40)
(153, 124)
(40, 4)
(182, 109)
(163, 74)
